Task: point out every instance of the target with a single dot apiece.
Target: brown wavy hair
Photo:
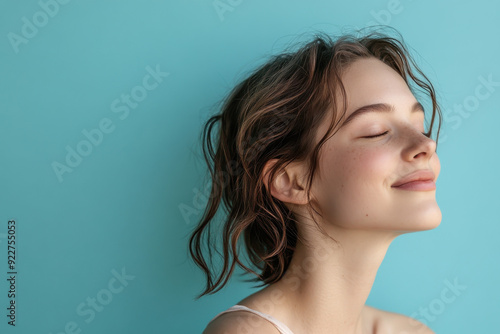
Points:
(274, 114)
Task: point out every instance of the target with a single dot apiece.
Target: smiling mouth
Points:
(420, 185)
(419, 180)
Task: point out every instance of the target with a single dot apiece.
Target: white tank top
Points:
(278, 324)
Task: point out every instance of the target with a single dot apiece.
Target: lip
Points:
(420, 180)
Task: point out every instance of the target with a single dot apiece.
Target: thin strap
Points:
(278, 324)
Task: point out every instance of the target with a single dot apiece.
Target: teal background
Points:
(119, 208)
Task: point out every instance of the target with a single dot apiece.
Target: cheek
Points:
(365, 170)
(356, 182)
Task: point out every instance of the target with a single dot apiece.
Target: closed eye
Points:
(427, 134)
(378, 135)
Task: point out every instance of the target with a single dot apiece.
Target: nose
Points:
(419, 146)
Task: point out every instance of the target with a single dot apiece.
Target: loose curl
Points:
(274, 114)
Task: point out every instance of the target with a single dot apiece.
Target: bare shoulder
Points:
(388, 322)
(240, 322)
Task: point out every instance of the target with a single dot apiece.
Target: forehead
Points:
(369, 80)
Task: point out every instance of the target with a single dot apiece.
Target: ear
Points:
(287, 185)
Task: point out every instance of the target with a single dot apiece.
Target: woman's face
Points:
(357, 173)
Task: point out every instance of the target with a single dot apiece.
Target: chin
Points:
(422, 217)
(432, 223)
(426, 220)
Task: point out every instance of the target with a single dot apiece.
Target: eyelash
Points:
(381, 134)
(375, 136)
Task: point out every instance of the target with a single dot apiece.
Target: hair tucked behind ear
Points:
(274, 114)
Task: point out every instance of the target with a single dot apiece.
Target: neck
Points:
(327, 284)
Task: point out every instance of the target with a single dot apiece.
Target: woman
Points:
(322, 159)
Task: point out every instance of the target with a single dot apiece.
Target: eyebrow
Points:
(379, 107)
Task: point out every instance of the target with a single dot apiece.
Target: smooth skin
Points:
(327, 284)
